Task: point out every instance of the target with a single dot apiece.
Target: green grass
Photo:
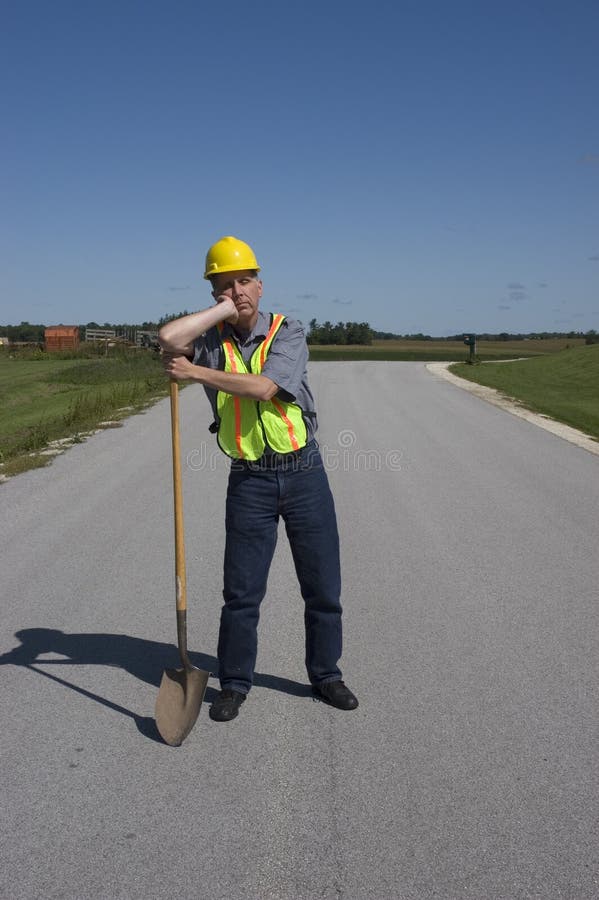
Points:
(564, 386)
(431, 351)
(51, 397)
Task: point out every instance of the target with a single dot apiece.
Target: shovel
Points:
(181, 690)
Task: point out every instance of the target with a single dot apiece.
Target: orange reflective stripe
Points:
(237, 404)
(228, 347)
(265, 346)
(286, 420)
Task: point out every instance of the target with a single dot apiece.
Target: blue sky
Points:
(423, 166)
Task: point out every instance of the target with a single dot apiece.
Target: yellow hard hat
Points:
(229, 255)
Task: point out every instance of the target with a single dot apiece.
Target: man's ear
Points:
(260, 288)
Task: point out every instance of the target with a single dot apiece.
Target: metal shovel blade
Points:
(178, 703)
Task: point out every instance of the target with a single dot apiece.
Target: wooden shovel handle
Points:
(178, 501)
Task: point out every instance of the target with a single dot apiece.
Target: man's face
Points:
(244, 289)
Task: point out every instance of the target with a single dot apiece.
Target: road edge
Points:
(509, 404)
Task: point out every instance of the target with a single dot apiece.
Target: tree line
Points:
(341, 333)
(590, 336)
(327, 333)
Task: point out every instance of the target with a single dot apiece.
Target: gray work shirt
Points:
(286, 363)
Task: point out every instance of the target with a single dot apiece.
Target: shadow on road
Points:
(144, 659)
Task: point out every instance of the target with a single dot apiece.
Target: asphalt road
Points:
(469, 549)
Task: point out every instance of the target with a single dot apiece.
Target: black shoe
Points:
(226, 706)
(337, 694)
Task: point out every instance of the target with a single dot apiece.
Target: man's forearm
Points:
(240, 384)
(178, 336)
(258, 387)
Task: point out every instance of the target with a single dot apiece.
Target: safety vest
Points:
(246, 426)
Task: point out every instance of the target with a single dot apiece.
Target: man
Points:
(253, 368)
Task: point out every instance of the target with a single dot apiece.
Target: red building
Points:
(62, 337)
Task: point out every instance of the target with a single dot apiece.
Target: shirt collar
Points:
(260, 330)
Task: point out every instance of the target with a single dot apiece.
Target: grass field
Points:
(431, 351)
(564, 385)
(46, 398)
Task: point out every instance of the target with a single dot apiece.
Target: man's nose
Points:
(237, 289)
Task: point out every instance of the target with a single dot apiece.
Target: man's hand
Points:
(178, 367)
(233, 317)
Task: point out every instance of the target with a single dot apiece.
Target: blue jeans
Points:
(294, 487)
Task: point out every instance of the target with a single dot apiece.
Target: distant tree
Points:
(386, 336)
(358, 333)
(25, 332)
(341, 333)
(170, 316)
(326, 336)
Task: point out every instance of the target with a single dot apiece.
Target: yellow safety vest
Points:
(246, 426)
